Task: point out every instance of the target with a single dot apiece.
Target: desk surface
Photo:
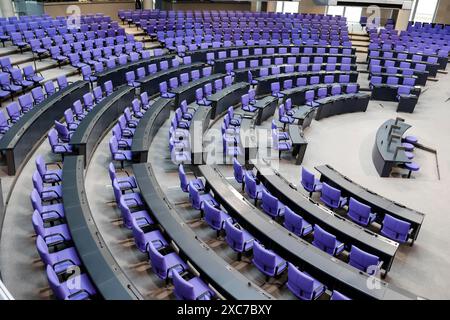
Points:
(378, 203)
(106, 274)
(231, 283)
(322, 266)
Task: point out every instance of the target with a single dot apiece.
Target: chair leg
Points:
(409, 174)
(239, 256)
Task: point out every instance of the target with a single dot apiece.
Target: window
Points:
(335, 10)
(353, 14)
(287, 6)
(424, 10)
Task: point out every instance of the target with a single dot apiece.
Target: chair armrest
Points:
(173, 267)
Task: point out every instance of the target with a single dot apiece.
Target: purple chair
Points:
(215, 217)
(165, 265)
(364, 261)
(58, 260)
(271, 205)
(309, 98)
(252, 189)
(47, 193)
(163, 90)
(48, 175)
(296, 224)
(145, 234)
(302, 285)
(351, 88)
(327, 242)
(57, 146)
(360, 213)
(26, 102)
(84, 290)
(198, 199)
(184, 184)
(395, 229)
(108, 86)
(275, 88)
(283, 117)
(141, 217)
(245, 103)
(192, 289)
(125, 181)
(52, 234)
(47, 212)
(118, 155)
(267, 261)
(332, 197)
(238, 239)
(131, 79)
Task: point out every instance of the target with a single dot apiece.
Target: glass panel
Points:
(425, 10)
(290, 7)
(279, 6)
(335, 10)
(353, 14)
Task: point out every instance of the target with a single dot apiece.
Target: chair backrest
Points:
(395, 229)
(183, 289)
(324, 240)
(159, 264)
(308, 180)
(330, 196)
(269, 203)
(234, 236)
(300, 283)
(363, 261)
(263, 257)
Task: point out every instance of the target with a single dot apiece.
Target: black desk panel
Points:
(341, 104)
(299, 142)
(219, 64)
(229, 282)
(384, 152)
(379, 204)
(147, 128)
(335, 274)
(200, 54)
(94, 125)
(303, 114)
(264, 83)
(106, 274)
(150, 83)
(442, 61)
(266, 108)
(388, 92)
(242, 74)
(199, 125)
(229, 96)
(248, 139)
(117, 74)
(187, 92)
(23, 136)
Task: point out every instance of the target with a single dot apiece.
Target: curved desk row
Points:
(297, 94)
(345, 230)
(432, 68)
(388, 92)
(229, 282)
(229, 96)
(421, 76)
(150, 83)
(187, 91)
(442, 61)
(379, 204)
(242, 74)
(200, 55)
(147, 128)
(384, 76)
(264, 83)
(335, 274)
(340, 104)
(303, 114)
(98, 120)
(106, 274)
(219, 64)
(117, 74)
(23, 136)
